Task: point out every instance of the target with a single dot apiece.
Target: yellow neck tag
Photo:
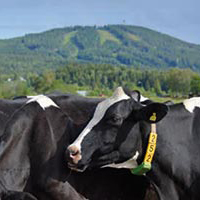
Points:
(151, 145)
(146, 164)
(150, 148)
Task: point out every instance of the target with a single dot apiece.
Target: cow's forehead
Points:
(42, 100)
(103, 106)
(99, 113)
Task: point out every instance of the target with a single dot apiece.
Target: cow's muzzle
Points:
(75, 160)
(74, 153)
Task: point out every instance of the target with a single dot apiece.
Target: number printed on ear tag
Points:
(153, 138)
(151, 148)
(150, 152)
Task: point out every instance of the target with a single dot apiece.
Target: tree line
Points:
(101, 79)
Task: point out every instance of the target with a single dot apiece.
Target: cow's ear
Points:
(135, 94)
(153, 113)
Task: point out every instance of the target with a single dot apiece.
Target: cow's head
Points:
(113, 117)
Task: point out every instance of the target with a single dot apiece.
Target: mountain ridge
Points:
(123, 45)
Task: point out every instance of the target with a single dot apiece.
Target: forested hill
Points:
(112, 44)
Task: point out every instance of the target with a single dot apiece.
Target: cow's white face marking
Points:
(191, 103)
(100, 111)
(42, 100)
(129, 164)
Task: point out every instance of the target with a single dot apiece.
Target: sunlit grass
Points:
(133, 37)
(164, 99)
(68, 36)
(105, 35)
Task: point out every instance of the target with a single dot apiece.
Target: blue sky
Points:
(178, 18)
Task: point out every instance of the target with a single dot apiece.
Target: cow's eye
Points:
(114, 120)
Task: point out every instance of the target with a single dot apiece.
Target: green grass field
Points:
(164, 99)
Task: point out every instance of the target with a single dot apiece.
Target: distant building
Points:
(9, 79)
(22, 78)
(82, 92)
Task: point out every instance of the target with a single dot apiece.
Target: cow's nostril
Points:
(73, 152)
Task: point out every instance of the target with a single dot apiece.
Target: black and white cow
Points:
(31, 158)
(119, 132)
(102, 133)
(32, 155)
(117, 136)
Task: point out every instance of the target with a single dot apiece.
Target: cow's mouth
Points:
(77, 168)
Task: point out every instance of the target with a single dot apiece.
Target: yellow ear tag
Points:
(153, 117)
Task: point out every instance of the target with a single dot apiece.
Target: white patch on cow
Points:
(100, 111)
(129, 164)
(42, 100)
(142, 98)
(191, 103)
